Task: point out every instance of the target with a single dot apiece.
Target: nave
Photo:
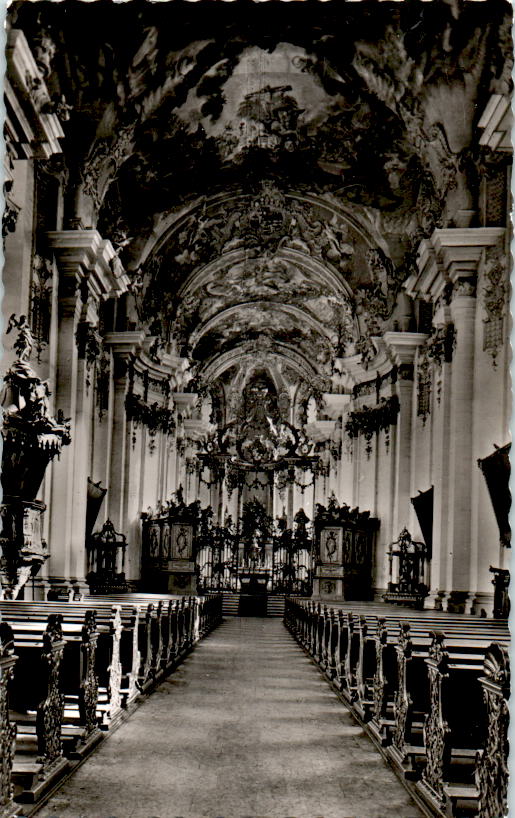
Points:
(256, 359)
(246, 726)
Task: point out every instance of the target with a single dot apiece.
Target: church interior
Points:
(256, 409)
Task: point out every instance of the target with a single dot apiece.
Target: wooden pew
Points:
(168, 628)
(323, 640)
(397, 704)
(456, 726)
(492, 760)
(37, 708)
(163, 637)
(401, 692)
(139, 641)
(68, 675)
(7, 727)
(102, 670)
(77, 677)
(188, 618)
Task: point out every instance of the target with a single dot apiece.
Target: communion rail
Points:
(431, 689)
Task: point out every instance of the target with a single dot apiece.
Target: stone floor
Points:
(246, 727)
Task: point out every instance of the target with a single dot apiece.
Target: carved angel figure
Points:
(24, 343)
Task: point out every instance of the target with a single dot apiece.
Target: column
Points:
(403, 347)
(448, 265)
(84, 277)
(123, 490)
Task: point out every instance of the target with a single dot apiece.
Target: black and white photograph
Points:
(256, 409)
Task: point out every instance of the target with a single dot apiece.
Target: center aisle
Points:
(245, 727)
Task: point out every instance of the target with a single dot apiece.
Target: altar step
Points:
(231, 605)
(275, 606)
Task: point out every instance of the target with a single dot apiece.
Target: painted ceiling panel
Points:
(267, 172)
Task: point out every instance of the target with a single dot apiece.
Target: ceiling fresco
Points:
(265, 172)
(267, 249)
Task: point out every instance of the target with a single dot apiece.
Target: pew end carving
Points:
(492, 761)
(7, 728)
(439, 707)
(81, 664)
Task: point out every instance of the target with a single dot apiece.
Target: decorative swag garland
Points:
(156, 418)
(236, 477)
(373, 419)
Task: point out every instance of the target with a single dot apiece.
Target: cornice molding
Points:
(450, 254)
(37, 133)
(403, 345)
(84, 253)
(124, 343)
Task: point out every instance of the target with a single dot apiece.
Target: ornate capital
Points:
(464, 288)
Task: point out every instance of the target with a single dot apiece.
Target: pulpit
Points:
(31, 438)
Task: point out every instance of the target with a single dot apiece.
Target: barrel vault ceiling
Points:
(266, 171)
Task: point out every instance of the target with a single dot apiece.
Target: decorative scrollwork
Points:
(156, 418)
(103, 380)
(115, 666)
(146, 657)
(360, 670)
(40, 302)
(133, 675)
(10, 216)
(89, 682)
(379, 686)
(50, 711)
(7, 729)
(89, 347)
(439, 349)
(403, 702)
(494, 301)
(492, 762)
(424, 384)
(440, 346)
(436, 728)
